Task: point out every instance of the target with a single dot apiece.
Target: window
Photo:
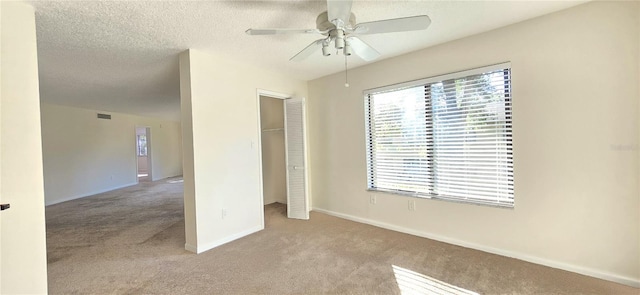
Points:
(142, 145)
(447, 137)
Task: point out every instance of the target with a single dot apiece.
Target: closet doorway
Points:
(274, 165)
(283, 153)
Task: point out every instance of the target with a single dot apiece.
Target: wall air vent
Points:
(104, 116)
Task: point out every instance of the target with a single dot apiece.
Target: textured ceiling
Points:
(121, 56)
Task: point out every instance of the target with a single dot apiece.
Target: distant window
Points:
(447, 137)
(142, 145)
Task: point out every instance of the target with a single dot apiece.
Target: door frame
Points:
(283, 96)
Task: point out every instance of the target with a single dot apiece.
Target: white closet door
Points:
(297, 200)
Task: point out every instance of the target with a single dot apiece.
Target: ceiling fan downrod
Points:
(346, 75)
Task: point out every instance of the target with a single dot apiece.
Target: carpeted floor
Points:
(131, 241)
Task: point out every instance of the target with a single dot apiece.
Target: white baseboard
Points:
(164, 177)
(521, 256)
(190, 248)
(208, 246)
(80, 196)
(275, 200)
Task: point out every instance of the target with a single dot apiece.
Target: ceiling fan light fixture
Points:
(347, 50)
(339, 43)
(325, 50)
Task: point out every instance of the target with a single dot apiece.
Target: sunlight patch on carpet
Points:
(411, 282)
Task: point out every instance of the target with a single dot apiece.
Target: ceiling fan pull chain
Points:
(346, 75)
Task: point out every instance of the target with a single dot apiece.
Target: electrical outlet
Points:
(412, 205)
(372, 199)
(224, 213)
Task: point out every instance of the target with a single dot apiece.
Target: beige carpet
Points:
(131, 241)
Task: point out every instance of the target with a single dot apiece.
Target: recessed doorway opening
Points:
(283, 153)
(274, 178)
(143, 154)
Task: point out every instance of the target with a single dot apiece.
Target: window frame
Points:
(424, 83)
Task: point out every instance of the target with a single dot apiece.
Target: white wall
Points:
(274, 182)
(84, 155)
(23, 254)
(219, 96)
(575, 102)
(638, 116)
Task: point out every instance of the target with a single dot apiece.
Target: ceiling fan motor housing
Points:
(324, 24)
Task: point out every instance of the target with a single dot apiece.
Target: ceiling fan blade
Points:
(307, 51)
(412, 23)
(339, 9)
(361, 49)
(280, 31)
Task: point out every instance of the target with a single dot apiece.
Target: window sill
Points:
(502, 205)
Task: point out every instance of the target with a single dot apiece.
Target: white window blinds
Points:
(446, 137)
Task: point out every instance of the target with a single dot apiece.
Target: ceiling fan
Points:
(338, 26)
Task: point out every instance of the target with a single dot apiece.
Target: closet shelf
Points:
(272, 129)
